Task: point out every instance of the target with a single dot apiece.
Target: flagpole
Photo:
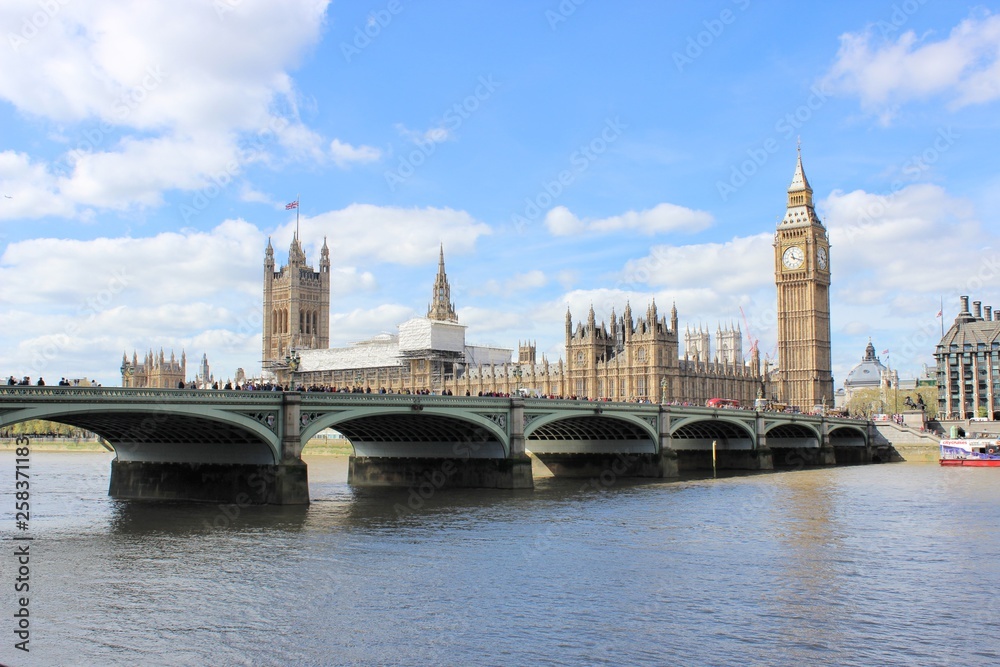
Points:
(297, 206)
(942, 317)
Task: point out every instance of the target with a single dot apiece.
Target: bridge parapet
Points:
(485, 437)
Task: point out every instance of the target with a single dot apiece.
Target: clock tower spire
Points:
(802, 276)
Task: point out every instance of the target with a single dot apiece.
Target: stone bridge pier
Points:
(425, 443)
(252, 475)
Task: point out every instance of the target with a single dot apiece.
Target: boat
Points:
(980, 452)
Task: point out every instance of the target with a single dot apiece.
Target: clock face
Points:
(821, 258)
(793, 257)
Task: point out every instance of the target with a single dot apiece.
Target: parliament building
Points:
(630, 358)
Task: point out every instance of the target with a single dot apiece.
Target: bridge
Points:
(246, 446)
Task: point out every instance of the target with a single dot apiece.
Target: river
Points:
(869, 565)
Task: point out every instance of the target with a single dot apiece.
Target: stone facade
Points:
(802, 276)
(634, 360)
(296, 305)
(968, 364)
(155, 371)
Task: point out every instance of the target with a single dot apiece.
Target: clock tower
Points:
(802, 275)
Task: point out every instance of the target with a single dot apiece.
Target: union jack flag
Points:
(290, 205)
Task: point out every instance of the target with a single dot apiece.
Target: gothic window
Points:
(640, 355)
(579, 356)
(641, 386)
(580, 388)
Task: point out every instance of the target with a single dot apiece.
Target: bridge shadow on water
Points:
(137, 517)
(337, 506)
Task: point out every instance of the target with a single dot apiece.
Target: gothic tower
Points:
(296, 304)
(441, 307)
(802, 275)
(729, 345)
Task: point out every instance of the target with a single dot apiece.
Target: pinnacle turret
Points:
(441, 308)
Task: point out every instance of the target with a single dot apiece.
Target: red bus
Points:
(722, 403)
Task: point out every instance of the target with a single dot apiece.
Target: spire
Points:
(324, 258)
(799, 181)
(800, 210)
(441, 307)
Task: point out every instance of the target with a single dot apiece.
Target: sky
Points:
(567, 154)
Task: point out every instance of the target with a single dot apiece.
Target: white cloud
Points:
(348, 280)
(409, 236)
(152, 98)
(79, 304)
(661, 218)
(363, 323)
(878, 241)
(168, 267)
(731, 267)
(249, 194)
(433, 135)
(27, 189)
(344, 154)
(964, 67)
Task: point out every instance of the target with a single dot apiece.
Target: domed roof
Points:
(868, 373)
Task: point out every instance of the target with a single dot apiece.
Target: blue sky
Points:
(566, 154)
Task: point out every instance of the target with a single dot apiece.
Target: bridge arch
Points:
(793, 434)
(848, 435)
(404, 432)
(600, 432)
(164, 433)
(699, 431)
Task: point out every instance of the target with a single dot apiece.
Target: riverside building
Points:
(968, 364)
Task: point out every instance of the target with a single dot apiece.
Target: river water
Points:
(870, 565)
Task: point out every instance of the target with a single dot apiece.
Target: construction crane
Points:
(750, 338)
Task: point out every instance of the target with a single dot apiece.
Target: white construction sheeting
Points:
(420, 334)
(378, 352)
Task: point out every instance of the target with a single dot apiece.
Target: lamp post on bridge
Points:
(663, 390)
(292, 361)
(518, 373)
